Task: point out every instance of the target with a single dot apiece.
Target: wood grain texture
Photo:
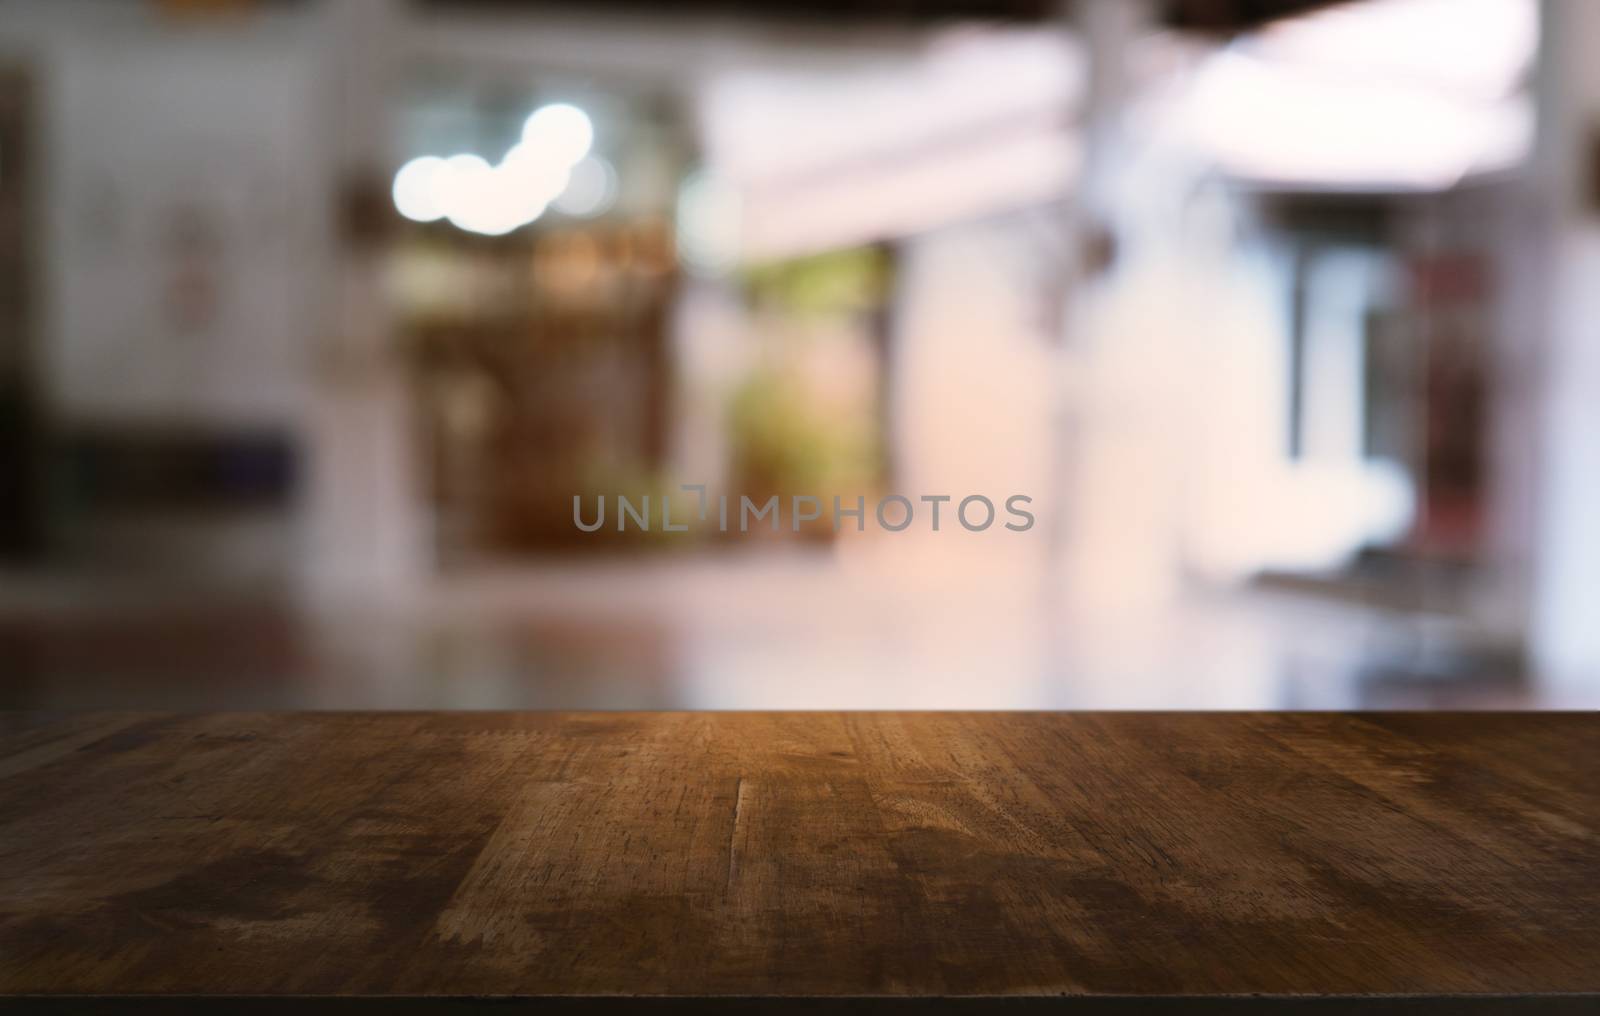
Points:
(751, 854)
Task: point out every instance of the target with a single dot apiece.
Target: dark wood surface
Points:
(1075, 858)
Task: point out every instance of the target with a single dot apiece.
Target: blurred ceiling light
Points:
(787, 122)
(467, 190)
(1389, 93)
(1282, 124)
(414, 192)
(884, 143)
(1472, 49)
(560, 131)
(590, 190)
(494, 200)
(538, 177)
(953, 183)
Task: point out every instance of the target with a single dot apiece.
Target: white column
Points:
(362, 510)
(1565, 628)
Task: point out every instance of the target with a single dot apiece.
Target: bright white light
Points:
(472, 196)
(494, 200)
(591, 188)
(538, 177)
(1282, 122)
(1408, 93)
(414, 194)
(1468, 49)
(453, 180)
(560, 132)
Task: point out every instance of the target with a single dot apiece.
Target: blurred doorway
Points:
(21, 524)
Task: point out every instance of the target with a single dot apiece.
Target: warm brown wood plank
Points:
(801, 854)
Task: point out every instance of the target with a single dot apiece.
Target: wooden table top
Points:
(1077, 859)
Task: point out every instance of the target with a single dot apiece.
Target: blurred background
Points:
(315, 315)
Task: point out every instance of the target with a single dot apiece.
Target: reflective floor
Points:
(791, 631)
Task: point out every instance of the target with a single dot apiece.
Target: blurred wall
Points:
(182, 193)
(178, 232)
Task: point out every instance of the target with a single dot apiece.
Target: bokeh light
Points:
(415, 195)
(492, 200)
(561, 131)
(590, 190)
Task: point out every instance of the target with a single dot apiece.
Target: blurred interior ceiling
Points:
(1212, 16)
